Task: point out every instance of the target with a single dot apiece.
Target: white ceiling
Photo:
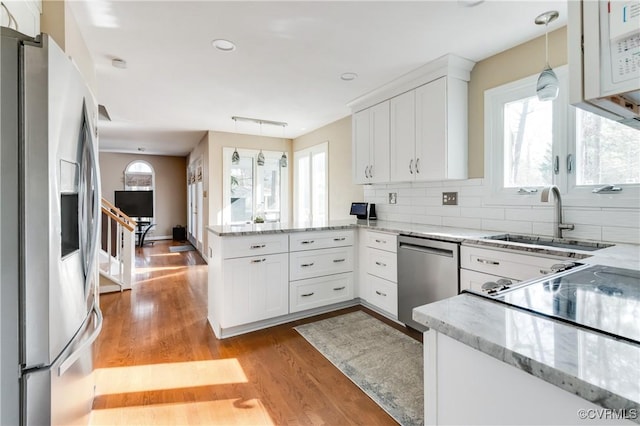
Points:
(287, 64)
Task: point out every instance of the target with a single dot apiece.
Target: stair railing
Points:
(118, 247)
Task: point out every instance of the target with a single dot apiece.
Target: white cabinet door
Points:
(361, 128)
(255, 288)
(431, 130)
(22, 15)
(315, 263)
(403, 137)
(380, 143)
(383, 294)
(320, 291)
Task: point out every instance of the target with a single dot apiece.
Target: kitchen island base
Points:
(466, 386)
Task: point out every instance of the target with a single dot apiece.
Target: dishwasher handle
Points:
(426, 249)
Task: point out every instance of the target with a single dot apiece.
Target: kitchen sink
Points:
(551, 242)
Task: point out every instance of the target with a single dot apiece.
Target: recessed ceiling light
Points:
(119, 63)
(348, 76)
(224, 45)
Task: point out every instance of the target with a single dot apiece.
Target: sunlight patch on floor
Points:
(222, 412)
(141, 270)
(163, 254)
(139, 378)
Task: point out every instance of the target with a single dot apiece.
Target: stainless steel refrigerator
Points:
(49, 213)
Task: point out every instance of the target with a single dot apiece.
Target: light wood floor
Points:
(158, 362)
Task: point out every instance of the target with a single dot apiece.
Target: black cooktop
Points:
(601, 298)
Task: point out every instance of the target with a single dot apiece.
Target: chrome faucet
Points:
(559, 226)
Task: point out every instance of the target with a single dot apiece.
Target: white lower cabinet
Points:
(256, 289)
(320, 291)
(481, 263)
(380, 275)
(383, 294)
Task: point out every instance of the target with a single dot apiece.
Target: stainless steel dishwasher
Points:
(428, 271)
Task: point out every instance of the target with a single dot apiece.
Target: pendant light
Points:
(548, 85)
(283, 159)
(235, 157)
(260, 154)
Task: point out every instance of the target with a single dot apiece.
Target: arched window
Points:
(139, 176)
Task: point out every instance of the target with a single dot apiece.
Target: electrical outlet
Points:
(393, 197)
(449, 198)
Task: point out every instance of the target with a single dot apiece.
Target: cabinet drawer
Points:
(315, 263)
(254, 245)
(383, 264)
(383, 294)
(316, 292)
(473, 280)
(300, 241)
(505, 264)
(382, 241)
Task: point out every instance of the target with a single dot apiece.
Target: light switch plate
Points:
(449, 198)
(393, 197)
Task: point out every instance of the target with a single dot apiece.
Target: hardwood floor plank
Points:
(158, 362)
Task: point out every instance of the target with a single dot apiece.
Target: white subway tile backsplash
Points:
(584, 232)
(621, 234)
(427, 220)
(533, 214)
(621, 217)
(507, 226)
(483, 213)
(462, 222)
(421, 202)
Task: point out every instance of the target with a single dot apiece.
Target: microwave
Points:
(603, 40)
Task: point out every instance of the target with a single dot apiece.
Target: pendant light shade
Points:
(235, 157)
(283, 160)
(548, 85)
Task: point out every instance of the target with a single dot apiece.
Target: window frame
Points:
(563, 126)
(226, 183)
(309, 152)
(142, 188)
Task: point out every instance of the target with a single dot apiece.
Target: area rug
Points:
(176, 249)
(385, 363)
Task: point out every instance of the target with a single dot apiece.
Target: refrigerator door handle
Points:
(94, 170)
(73, 357)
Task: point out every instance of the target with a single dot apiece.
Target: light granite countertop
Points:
(593, 366)
(619, 255)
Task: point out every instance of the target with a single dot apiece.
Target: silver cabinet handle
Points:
(338, 260)
(556, 165)
(569, 163)
(381, 264)
(258, 260)
(307, 242)
(339, 288)
(366, 172)
(381, 241)
(487, 262)
(307, 294)
(306, 265)
(411, 166)
(340, 239)
(371, 171)
(379, 293)
(258, 246)
(417, 165)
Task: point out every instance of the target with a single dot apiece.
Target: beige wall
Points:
(58, 21)
(513, 64)
(342, 191)
(218, 140)
(201, 152)
(170, 181)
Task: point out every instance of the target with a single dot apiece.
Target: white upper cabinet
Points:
(371, 144)
(21, 15)
(441, 130)
(427, 125)
(403, 137)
